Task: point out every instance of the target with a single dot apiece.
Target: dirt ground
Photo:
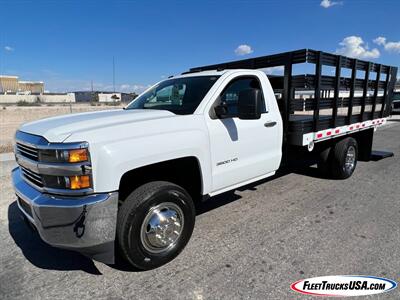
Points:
(11, 117)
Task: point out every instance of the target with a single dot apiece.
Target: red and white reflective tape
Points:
(328, 133)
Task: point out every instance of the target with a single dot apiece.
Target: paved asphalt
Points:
(250, 243)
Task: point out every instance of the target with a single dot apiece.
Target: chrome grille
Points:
(42, 168)
(32, 177)
(28, 152)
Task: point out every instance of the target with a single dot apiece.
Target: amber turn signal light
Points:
(79, 182)
(78, 155)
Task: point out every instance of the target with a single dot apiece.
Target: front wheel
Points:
(344, 158)
(154, 224)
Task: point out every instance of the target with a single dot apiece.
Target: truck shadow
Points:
(46, 257)
(231, 196)
(41, 254)
(305, 168)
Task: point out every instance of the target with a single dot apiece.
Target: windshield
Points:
(180, 95)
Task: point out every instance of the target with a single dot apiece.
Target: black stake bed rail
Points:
(342, 91)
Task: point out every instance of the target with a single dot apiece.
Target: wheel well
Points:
(184, 172)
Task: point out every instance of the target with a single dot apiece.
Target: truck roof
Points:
(211, 73)
(202, 73)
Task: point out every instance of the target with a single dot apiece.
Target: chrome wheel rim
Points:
(162, 227)
(350, 159)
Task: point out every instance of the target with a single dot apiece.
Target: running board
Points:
(378, 155)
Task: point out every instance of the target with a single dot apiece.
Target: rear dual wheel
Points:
(340, 160)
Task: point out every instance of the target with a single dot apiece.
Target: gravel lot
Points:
(250, 243)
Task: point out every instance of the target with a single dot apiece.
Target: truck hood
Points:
(58, 129)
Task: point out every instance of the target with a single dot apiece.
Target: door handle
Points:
(270, 124)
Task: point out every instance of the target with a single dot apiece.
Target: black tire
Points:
(133, 212)
(341, 170)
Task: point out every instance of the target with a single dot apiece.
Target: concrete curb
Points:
(7, 157)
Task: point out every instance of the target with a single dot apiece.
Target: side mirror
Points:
(221, 110)
(250, 104)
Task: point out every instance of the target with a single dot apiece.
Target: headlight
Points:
(68, 156)
(77, 155)
(55, 168)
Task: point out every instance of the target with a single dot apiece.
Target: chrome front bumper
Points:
(86, 224)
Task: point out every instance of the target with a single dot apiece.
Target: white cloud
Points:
(139, 88)
(393, 46)
(67, 85)
(274, 70)
(61, 85)
(8, 48)
(124, 87)
(355, 47)
(329, 3)
(243, 50)
(380, 40)
(388, 46)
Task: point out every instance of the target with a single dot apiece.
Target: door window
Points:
(230, 95)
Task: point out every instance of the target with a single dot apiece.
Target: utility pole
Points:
(92, 94)
(113, 75)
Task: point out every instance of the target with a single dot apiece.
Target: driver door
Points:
(241, 150)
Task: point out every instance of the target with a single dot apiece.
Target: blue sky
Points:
(67, 44)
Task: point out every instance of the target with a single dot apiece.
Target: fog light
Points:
(79, 182)
(78, 155)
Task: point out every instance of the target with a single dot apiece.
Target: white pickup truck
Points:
(128, 179)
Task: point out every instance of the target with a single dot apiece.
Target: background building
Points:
(11, 85)
(8, 84)
(35, 87)
(109, 97)
(98, 96)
